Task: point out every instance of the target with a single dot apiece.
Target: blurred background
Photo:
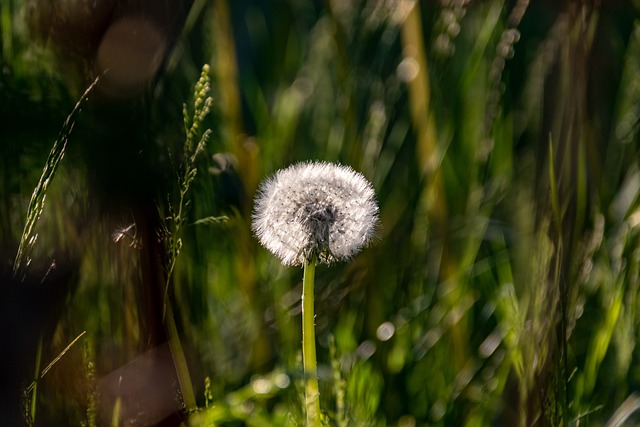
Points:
(501, 138)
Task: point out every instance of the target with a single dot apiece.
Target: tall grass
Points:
(502, 140)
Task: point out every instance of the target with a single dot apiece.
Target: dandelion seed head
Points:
(316, 209)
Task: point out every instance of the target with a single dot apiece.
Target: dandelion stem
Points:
(312, 392)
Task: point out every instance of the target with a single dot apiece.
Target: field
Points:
(501, 139)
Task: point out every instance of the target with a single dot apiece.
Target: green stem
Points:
(180, 361)
(311, 389)
(36, 377)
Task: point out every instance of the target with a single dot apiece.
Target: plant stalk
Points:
(311, 389)
(180, 361)
(34, 391)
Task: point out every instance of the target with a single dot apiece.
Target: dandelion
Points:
(315, 209)
(312, 212)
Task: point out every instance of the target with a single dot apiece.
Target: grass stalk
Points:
(115, 416)
(311, 389)
(36, 204)
(33, 387)
(192, 148)
(180, 361)
(34, 390)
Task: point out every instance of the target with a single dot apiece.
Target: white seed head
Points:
(315, 209)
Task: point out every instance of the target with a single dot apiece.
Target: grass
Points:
(501, 138)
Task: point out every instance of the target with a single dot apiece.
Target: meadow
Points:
(500, 137)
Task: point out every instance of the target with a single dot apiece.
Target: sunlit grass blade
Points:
(54, 361)
(33, 397)
(32, 389)
(625, 411)
(601, 340)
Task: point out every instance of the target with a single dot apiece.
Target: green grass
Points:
(503, 147)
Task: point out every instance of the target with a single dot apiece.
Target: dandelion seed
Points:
(315, 210)
(128, 233)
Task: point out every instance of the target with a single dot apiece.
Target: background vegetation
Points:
(501, 138)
